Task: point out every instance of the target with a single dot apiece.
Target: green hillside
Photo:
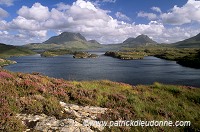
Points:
(73, 45)
(10, 50)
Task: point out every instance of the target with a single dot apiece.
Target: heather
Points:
(36, 94)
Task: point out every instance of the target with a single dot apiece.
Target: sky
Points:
(107, 21)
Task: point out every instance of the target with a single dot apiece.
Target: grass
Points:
(35, 94)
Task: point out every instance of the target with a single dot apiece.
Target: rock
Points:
(78, 122)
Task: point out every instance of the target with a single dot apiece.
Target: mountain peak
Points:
(142, 36)
(141, 39)
(94, 41)
(65, 37)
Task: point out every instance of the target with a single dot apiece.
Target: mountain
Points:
(193, 42)
(65, 37)
(66, 40)
(141, 39)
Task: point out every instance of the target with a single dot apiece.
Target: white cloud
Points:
(24, 24)
(122, 16)
(150, 16)
(157, 9)
(41, 33)
(181, 15)
(6, 2)
(3, 32)
(83, 17)
(62, 6)
(3, 13)
(36, 12)
(176, 34)
(3, 25)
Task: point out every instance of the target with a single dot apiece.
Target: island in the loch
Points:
(76, 54)
(81, 55)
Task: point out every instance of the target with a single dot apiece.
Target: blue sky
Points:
(107, 21)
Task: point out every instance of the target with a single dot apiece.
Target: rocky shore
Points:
(4, 62)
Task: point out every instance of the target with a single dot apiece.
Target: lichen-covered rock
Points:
(80, 121)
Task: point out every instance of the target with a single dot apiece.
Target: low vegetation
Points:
(189, 57)
(36, 94)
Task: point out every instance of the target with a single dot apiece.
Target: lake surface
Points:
(146, 71)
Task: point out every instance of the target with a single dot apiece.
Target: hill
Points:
(10, 50)
(65, 40)
(193, 42)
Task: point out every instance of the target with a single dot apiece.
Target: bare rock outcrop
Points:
(80, 121)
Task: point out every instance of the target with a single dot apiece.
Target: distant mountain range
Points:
(69, 40)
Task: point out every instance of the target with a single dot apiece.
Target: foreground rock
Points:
(78, 120)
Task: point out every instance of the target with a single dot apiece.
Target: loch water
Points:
(145, 71)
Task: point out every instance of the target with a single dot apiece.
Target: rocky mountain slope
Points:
(65, 37)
